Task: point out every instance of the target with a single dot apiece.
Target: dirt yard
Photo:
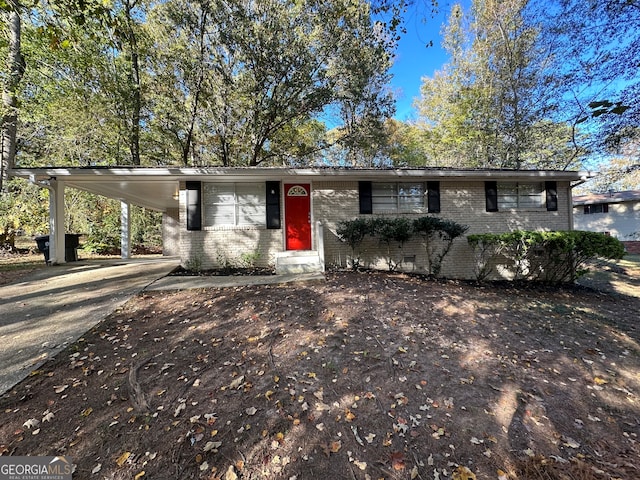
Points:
(364, 376)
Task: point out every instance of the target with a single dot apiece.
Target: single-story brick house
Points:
(285, 216)
(614, 213)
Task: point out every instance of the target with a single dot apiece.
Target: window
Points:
(599, 208)
(399, 197)
(234, 204)
(520, 195)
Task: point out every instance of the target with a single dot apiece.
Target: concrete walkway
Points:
(54, 306)
(188, 282)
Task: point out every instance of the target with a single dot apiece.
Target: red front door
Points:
(297, 207)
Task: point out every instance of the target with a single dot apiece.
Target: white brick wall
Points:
(171, 232)
(332, 201)
(212, 248)
(463, 202)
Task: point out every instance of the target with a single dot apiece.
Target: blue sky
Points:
(414, 58)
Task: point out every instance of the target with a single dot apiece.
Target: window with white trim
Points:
(234, 204)
(398, 197)
(519, 195)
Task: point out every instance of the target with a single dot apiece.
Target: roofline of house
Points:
(233, 173)
(611, 197)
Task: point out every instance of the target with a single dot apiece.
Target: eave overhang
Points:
(157, 187)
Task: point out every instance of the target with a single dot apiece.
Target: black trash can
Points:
(43, 246)
(71, 244)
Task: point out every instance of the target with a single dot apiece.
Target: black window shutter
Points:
(273, 205)
(366, 203)
(605, 208)
(552, 196)
(491, 196)
(194, 208)
(586, 210)
(433, 197)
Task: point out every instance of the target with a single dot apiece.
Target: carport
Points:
(153, 188)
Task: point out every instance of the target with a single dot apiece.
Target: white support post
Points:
(320, 243)
(125, 230)
(56, 222)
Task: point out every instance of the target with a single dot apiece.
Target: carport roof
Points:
(157, 187)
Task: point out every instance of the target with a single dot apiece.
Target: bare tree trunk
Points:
(188, 143)
(135, 114)
(134, 79)
(16, 65)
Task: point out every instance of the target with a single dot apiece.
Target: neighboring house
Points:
(288, 217)
(614, 213)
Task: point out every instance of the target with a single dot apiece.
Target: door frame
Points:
(284, 204)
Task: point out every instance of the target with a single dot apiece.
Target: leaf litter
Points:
(366, 376)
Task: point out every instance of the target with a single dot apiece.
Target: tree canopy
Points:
(598, 43)
(200, 83)
(528, 84)
(492, 104)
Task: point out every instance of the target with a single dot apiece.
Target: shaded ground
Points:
(49, 309)
(367, 375)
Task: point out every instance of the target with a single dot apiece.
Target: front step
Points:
(298, 261)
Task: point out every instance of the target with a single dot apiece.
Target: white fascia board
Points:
(108, 174)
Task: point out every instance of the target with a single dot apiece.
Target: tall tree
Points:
(236, 76)
(70, 97)
(598, 42)
(74, 101)
(201, 83)
(492, 104)
(11, 81)
(127, 40)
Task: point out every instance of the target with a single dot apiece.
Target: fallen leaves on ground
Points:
(366, 376)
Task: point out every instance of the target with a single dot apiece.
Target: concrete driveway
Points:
(54, 306)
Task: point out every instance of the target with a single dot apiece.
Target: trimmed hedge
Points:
(550, 257)
(353, 232)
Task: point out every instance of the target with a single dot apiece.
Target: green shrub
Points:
(249, 259)
(591, 246)
(551, 257)
(485, 247)
(23, 207)
(390, 230)
(399, 230)
(446, 230)
(194, 264)
(352, 232)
